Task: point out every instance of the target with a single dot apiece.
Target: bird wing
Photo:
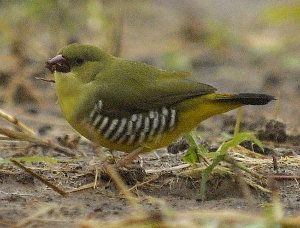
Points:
(132, 86)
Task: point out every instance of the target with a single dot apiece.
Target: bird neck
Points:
(68, 89)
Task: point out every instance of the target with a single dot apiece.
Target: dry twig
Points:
(20, 126)
(27, 134)
(145, 182)
(83, 187)
(284, 177)
(129, 157)
(174, 168)
(46, 182)
(45, 79)
(121, 186)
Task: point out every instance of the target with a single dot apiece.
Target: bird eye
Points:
(79, 61)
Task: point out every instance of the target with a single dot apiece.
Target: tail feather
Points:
(248, 98)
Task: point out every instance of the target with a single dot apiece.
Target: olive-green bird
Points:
(125, 105)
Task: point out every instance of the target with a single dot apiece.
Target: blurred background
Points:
(236, 46)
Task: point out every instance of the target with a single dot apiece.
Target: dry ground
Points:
(160, 188)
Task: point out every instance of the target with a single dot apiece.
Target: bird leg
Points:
(129, 158)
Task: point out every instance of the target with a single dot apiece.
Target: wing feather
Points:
(133, 86)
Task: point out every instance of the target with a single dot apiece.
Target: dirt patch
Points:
(21, 194)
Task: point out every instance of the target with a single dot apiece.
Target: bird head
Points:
(81, 61)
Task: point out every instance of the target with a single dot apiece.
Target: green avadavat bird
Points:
(125, 105)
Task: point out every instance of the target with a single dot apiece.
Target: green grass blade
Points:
(238, 139)
(32, 159)
(195, 152)
(207, 172)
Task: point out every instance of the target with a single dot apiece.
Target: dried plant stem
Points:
(4, 138)
(45, 79)
(155, 177)
(285, 177)
(33, 139)
(174, 168)
(196, 172)
(249, 153)
(96, 178)
(120, 185)
(27, 134)
(129, 157)
(20, 126)
(232, 161)
(83, 187)
(46, 182)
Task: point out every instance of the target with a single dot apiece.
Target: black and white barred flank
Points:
(136, 128)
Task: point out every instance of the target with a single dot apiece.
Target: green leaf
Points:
(221, 153)
(195, 151)
(36, 159)
(202, 149)
(191, 156)
(238, 139)
(4, 161)
(32, 159)
(207, 172)
(239, 118)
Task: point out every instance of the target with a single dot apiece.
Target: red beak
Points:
(58, 63)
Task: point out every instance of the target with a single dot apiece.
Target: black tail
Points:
(250, 98)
